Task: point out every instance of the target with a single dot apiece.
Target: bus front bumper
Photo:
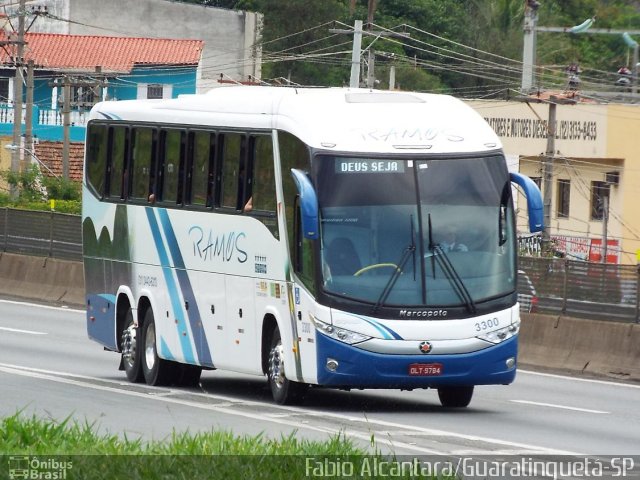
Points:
(347, 366)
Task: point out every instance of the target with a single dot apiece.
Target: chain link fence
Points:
(47, 234)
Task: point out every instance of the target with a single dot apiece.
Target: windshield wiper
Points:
(409, 250)
(450, 272)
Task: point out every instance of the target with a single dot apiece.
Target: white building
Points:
(231, 37)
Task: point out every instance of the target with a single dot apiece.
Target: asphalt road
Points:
(50, 368)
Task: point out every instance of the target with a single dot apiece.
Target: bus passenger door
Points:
(305, 307)
(304, 303)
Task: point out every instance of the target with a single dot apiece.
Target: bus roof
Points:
(339, 119)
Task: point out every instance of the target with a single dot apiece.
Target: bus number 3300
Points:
(486, 324)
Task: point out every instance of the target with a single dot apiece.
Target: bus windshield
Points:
(419, 233)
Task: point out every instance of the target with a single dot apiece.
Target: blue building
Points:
(96, 68)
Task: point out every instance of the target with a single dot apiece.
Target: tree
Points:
(296, 37)
(297, 43)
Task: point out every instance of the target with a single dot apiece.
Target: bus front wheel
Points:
(156, 370)
(455, 397)
(130, 347)
(284, 391)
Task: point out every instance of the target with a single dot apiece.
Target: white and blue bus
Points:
(303, 234)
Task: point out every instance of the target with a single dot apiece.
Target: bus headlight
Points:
(502, 334)
(341, 334)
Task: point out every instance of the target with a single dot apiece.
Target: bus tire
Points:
(283, 390)
(156, 370)
(455, 397)
(131, 349)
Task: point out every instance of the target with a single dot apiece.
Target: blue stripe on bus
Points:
(165, 351)
(197, 330)
(386, 332)
(185, 342)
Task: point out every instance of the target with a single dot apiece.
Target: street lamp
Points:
(15, 148)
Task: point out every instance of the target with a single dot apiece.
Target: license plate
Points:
(425, 369)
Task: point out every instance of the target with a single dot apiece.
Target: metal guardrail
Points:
(584, 289)
(561, 286)
(46, 234)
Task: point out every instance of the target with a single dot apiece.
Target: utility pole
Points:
(357, 33)
(392, 77)
(28, 131)
(605, 226)
(529, 48)
(17, 93)
(354, 80)
(371, 77)
(547, 176)
(66, 125)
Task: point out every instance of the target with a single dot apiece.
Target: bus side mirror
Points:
(534, 201)
(308, 204)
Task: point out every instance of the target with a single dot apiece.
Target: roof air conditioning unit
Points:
(612, 178)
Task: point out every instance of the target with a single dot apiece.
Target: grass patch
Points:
(33, 436)
(75, 450)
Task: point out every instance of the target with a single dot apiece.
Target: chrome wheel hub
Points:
(276, 365)
(150, 347)
(129, 344)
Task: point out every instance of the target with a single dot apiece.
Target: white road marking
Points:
(18, 330)
(587, 380)
(371, 426)
(564, 407)
(39, 305)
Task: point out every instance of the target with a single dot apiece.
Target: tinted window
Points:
(260, 197)
(200, 170)
(233, 175)
(171, 166)
(97, 157)
(117, 173)
(293, 154)
(141, 155)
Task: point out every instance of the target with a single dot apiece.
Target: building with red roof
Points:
(97, 68)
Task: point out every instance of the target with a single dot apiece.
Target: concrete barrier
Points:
(43, 279)
(589, 346)
(555, 342)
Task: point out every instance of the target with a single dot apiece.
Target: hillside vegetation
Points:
(471, 48)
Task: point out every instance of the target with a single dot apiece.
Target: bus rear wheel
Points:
(283, 390)
(130, 347)
(455, 397)
(156, 370)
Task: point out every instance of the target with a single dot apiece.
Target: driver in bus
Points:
(450, 242)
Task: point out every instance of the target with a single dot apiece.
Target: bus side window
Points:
(200, 170)
(142, 159)
(233, 170)
(171, 166)
(293, 154)
(118, 148)
(260, 196)
(97, 158)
